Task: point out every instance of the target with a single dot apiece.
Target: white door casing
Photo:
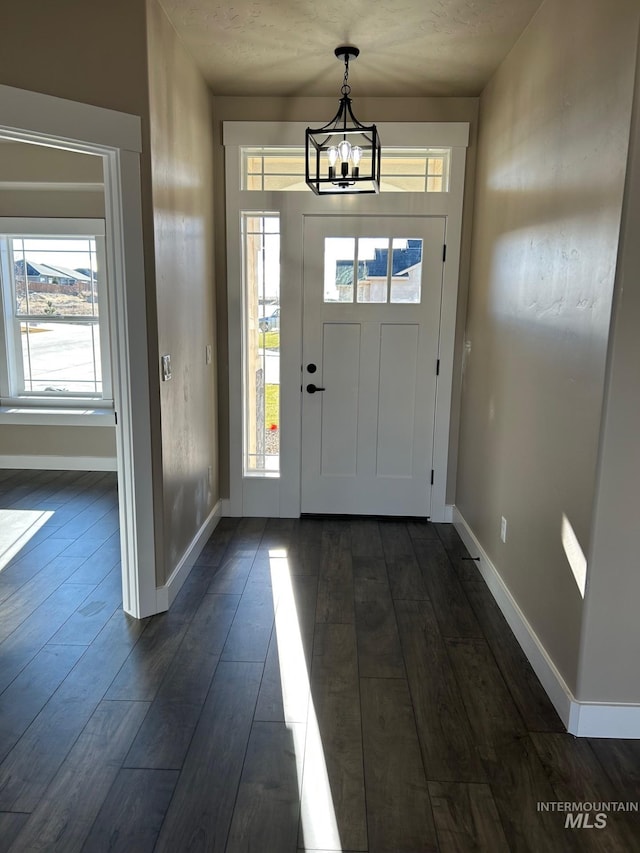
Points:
(367, 439)
(281, 495)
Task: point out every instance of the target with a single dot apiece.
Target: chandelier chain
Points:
(346, 88)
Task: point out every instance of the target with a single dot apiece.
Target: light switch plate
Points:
(165, 361)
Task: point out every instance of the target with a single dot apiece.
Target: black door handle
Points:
(311, 388)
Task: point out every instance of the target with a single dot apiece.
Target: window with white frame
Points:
(404, 170)
(54, 329)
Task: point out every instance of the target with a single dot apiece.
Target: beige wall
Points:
(318, 110)
(554, 125)
(609, 668)
(182, 204)
(83, 50)
(70, 442)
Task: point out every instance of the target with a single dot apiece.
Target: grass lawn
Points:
(272, 403)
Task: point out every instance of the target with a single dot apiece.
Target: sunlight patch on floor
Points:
(319, 824)
(17, 527)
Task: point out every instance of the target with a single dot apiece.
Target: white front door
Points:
(372, 297)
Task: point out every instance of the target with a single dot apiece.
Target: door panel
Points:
(371, 325)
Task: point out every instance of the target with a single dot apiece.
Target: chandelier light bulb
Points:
(344, 148)
(332, 154)
(356, 155)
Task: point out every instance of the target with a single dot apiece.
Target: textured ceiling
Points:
(408, 47)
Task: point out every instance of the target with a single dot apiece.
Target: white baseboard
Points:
(60, 463)
(167, 593)
(583, 719)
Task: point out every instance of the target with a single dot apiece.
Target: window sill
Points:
(49, 416)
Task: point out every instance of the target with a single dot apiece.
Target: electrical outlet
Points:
(503, 529)
(207, 354)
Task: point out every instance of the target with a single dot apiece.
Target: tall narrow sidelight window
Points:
(261, 341)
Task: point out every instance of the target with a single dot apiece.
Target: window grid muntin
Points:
(14, 385)
(426, 169)
(356, 257)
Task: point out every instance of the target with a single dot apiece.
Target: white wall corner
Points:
(582, 719)
(226, 507)
(167, 593)
(448, 513)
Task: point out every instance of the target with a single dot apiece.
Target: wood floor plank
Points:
(365, 538)
(446, 738)
(33, 762)
(466, 569)
(454, 613)
(398, 807)
(165, 734)
(63, 817)
(25, 697)
(214, 551)
(333, 765)
(532, 702)
(267, 809)
(406, 580)
(284, 691)
(97, 566)
(27, 640)
(201, 809)
(621, 762)
(11, 825)
(379, 650)
(396, 541)
(421, 529)
(146, 667)
(576, 777)
(370, 568)
(516, 775)
(466, 818)
(304, 549)
(28, 597)
(246, 537)
(248, 639)
(132, 813)
(231, 575)
(84, 625)
(335, 581)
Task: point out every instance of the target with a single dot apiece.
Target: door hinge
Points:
(444, 253)
(438, 367)
(432, 476)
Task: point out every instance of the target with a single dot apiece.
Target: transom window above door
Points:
(404, 170)
(373, 269)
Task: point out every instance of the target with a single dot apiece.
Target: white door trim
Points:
(281, 496)
(35, 117)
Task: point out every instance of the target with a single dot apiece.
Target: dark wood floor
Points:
(317, 685)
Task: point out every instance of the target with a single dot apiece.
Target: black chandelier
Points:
(343, 156)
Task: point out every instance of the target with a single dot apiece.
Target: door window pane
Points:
(339, 265)
(406, 275)
(373, 271)
(389, 270)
